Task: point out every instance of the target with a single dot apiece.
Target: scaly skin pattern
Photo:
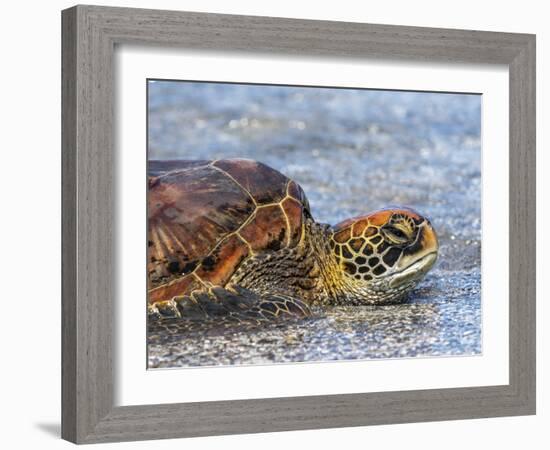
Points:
(368, 273)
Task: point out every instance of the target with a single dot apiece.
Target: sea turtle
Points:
(236, 238)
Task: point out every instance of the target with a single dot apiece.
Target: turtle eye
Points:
(395, 235)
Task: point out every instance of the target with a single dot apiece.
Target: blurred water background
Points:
(352, 151)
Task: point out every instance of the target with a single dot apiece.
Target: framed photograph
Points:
(278, 224)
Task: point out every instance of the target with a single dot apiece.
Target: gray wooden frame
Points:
(89, 37)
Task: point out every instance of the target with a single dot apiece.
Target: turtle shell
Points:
(206, 217)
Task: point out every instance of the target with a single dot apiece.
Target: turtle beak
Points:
(428, 239)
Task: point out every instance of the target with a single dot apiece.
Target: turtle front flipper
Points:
(232, 303)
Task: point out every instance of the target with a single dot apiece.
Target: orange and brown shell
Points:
(206, 217)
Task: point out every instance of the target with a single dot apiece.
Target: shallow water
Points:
(352, 151)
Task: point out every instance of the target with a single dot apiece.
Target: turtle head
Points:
(384, 254)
